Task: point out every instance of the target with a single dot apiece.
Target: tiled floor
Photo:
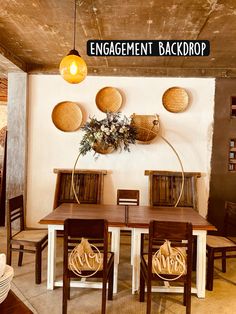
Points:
(87, 301)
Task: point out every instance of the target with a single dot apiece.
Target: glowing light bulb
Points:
(73, 68)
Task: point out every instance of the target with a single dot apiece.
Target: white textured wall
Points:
(190, 132)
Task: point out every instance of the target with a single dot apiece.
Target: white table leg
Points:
(115, 247)
(201, 262)
(51, 257)
(131, 247)
(52, 254)
(136, 257)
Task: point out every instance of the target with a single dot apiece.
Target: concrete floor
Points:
(87, 301)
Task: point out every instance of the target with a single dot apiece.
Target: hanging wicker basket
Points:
(147, 127)
(102, 148)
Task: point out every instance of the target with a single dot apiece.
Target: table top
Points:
(131, 216)
(12, 304)
(114, 214)
(140, 216)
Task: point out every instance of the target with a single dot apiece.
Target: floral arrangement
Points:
(111, 132)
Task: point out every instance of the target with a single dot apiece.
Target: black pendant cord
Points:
(75, 24)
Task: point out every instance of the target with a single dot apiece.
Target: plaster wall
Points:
(190, 132)
(3, 122)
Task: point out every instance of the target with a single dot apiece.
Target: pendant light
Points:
(73, 68)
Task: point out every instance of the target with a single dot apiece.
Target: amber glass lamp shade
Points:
(73, 68)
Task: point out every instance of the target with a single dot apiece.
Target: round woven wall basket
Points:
(67, 116)
(147, 127)
(108, 99)
(103, 149)
(175, 99)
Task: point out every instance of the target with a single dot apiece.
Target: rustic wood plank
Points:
(138, 216)
(114, 214)
(3, 90)
(88, 185)
(17, 134)
(15, 63)
(165, 188)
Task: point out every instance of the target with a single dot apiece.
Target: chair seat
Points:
(30, 235)
(218, 241)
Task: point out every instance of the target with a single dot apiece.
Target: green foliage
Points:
(112, 131)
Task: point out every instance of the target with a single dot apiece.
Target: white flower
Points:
(113, 128)
(123, 129)
(98, 135)
(103, 128)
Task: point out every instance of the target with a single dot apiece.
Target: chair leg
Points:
(110, 284)
(65, 295)
(210, 270)
(9, 254)
(223, 262)
(149, 296)
(194, 264)
(188, 298)
(68, 292)
(185, 294)
(38, 265)
(104, 291)
(20, 259)
(142, 287)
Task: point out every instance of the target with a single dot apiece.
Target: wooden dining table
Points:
(135, 218)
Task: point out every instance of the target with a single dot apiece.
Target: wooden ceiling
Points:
(36, 34)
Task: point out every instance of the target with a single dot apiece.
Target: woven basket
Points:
(175, 99)
(108, 99)
(67, 116)
(103, 149)
(147, 127)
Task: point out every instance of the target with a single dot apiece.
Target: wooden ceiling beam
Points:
(3, 90)
(143, 71)
(11, 61)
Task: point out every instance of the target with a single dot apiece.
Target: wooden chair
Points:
(128, 197)
(219, 246)
(165, 186)
(164, 190)
(24, 240)
(96, 231)
(88, 185)
(159, 231)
